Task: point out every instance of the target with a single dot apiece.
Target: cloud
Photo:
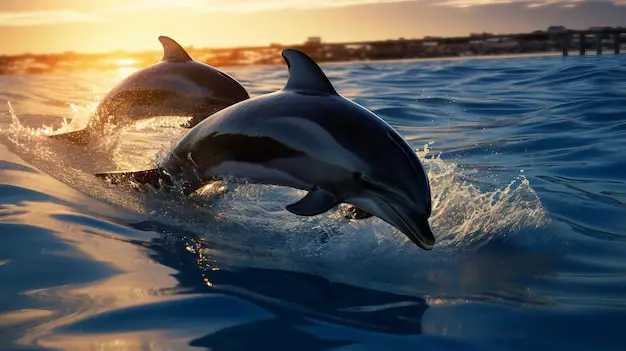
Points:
(34, 18)
(528, 3)
(155, 4)
(246, 6)
(37, 18)
(265, 5)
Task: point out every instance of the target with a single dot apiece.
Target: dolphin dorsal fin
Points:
(305, 74)
(172, 51)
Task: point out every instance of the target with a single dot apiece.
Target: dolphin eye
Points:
(359, 178)
(364, 181)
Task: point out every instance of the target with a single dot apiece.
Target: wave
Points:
(524, 160)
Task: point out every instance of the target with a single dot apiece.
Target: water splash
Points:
(465, 212)
(14, 119)
(34, 144)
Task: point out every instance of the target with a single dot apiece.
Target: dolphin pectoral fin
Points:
(154, 177)
(317, 201)
(353, 212)
(172, 51)
(77, 137)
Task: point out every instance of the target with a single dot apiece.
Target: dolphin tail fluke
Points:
(153, 177)
(77, 137)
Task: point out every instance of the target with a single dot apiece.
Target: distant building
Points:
(480, 35)
(313, 41)
(556, 29)
(597, 29)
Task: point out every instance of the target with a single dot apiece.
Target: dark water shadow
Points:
(295, 300)
(276, 335)
(38, 264)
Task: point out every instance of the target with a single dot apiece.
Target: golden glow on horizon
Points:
(125, 62)
(43, 26)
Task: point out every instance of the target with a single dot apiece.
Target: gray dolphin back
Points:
(175, 86)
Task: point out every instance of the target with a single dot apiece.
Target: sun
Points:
(125, 62)
(125, 66)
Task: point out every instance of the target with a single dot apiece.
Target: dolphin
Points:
(308, 137)
(175, 86)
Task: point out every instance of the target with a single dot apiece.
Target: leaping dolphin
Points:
(305, 136)
(175, 86)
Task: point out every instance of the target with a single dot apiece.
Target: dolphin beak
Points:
(401, 216)
(413, 225)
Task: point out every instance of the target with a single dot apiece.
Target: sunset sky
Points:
(98, 26)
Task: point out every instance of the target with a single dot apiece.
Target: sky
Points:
(43, 26)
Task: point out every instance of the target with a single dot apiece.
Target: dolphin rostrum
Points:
(305, 136)
(175, 86)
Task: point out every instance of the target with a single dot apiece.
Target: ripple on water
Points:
(525, 166)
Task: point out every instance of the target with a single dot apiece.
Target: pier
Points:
(593, 38)
(556, 38)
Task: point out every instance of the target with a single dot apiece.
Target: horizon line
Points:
(251, 47)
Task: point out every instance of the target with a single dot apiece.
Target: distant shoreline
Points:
(330, 63)
(449, 58)
(475, 46)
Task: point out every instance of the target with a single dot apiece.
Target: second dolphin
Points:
(305, 136)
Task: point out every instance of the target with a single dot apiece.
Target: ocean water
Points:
(526, 158)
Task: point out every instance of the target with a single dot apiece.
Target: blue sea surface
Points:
(526, 160)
